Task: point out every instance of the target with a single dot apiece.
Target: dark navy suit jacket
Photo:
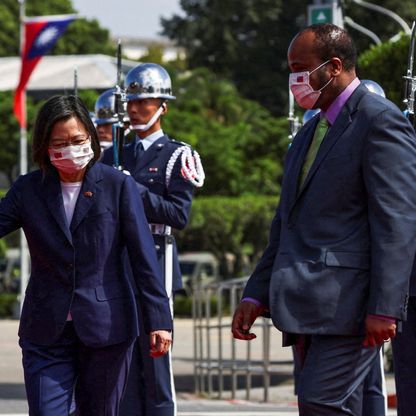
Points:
(79, 268)
(163, 204)
(342, 246)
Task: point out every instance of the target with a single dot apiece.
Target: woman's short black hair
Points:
(55, 109)
(332, 41)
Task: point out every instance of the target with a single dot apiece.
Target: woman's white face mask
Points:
(71, 158)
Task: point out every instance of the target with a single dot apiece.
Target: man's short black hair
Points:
(332, 41)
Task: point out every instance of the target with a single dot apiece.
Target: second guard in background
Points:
(104, 118)
(166, 171)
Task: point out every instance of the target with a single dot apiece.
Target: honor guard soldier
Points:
(166, 172)
(104, 118)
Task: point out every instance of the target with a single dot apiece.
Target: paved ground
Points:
(282, 401)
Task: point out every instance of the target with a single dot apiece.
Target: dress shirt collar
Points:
(149, 140)
(335, 108)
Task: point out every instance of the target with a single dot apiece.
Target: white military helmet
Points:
(308, 114)
(372, 86)
(148, 80)
(105, 107)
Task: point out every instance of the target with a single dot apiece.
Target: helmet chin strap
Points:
(145, 127)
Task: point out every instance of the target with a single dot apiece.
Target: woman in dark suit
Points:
(79, 320)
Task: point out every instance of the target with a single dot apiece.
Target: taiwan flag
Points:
(41, 34)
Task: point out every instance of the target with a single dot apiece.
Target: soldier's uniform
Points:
(167, 199)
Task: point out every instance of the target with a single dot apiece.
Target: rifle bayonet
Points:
(120, 99)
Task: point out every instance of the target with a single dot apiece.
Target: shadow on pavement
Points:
(185, 382)
(12, 391)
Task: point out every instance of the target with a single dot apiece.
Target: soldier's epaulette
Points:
(178, 142)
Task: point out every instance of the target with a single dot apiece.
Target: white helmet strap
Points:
(156, 115)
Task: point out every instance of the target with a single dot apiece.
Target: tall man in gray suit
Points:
(334, 276)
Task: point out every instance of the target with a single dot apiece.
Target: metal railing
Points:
(221, 363)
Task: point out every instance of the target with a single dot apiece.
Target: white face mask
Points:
(72, 158)
(302, 90)
(145, 127)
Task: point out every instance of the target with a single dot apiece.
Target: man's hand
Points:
(244, 317)
(160, 342)
(378, 331)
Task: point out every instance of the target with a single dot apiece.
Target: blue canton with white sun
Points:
(46, 38)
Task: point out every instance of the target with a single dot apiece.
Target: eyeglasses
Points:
(76, 141)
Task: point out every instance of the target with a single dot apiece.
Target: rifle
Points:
(75, 81)
(119, 111)
(410, 80)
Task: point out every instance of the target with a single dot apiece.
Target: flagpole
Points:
(24, 254)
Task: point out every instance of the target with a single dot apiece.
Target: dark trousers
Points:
(150, 389)
(95, 376)
(374, 390)
(333, 369)
(404, 361)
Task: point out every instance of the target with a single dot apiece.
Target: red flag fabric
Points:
(41, 34)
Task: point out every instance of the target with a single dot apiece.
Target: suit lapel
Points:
(334, 134)
(298, 149)
(52, 192)
(87, 195)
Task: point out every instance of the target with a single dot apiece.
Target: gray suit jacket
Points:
(342, 246)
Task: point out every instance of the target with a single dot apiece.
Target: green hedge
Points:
(183, 306)
(223, 225)
(7, 303)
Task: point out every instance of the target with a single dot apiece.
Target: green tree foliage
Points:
(383, 26)
(376, 64)
(241, 144)
(226, 225)
(82, 36)
(247, 40)
(9, 134)
(244, 40)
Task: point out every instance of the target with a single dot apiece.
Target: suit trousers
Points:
(404, 361)
(333, 369)
(374, 390)
(95, 376)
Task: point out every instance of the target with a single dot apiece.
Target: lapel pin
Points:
(88, 194)
(153, 169)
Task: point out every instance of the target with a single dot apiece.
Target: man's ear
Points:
(165, 107)
(336, 67)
